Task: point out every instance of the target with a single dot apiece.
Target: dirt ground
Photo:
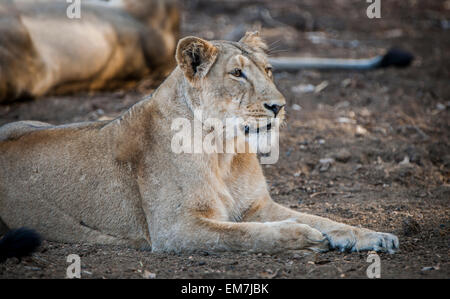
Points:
(365, 148)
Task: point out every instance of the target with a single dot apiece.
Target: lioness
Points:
(116, 43)
(119, 182)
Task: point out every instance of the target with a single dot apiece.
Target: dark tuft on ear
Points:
(195, 57)
(254, 41)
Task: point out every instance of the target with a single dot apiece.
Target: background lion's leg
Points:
(341, 236)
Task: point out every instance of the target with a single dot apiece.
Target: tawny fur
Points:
(43, 51)
(119, 182)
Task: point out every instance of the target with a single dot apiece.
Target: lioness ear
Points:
(195, 57)
(254, 41)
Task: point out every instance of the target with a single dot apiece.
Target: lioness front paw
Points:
(314, 240)
(294, 236)
(362, 239)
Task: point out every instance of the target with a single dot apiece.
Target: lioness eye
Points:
(236, 73)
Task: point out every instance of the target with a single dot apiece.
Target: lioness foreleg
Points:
(341, 236)
(270, 237)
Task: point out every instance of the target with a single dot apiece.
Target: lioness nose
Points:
(275, 108)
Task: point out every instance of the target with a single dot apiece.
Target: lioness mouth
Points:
(247, 129)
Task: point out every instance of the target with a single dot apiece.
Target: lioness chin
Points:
(119, 182)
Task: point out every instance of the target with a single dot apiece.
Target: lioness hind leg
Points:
(62, 227)
(97, 237)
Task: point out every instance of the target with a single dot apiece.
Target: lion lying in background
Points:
(43, 51)
(119, 182)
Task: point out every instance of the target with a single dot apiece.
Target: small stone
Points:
(326, 160)
(430, 268)
(325, 164)
(341, 105)
(303, 88)
(345, 120)
(343, 155)
(405, 161)
(346, 83)
(296, 256)
(296, 107)
(321, 86)
(148, 275)
(360, 131)
(324, 167)
(440, 106)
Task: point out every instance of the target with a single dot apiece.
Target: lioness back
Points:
(16, 129)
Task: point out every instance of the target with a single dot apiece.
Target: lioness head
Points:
(231, 80)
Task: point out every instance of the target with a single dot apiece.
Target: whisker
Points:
(274, 47)
(272, 44)
(279, 51)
